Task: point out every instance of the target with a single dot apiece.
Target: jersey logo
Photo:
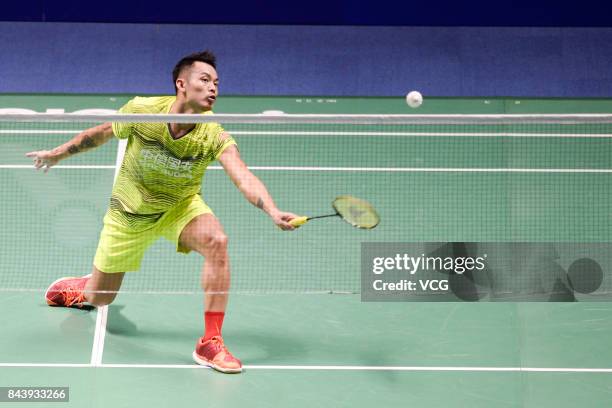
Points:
(159, 161)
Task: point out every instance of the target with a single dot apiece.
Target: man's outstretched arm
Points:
(86, 140)
(252, 188)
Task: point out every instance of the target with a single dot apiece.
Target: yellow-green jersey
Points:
(159, 171)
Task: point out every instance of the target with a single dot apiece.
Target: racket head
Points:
(357, 212)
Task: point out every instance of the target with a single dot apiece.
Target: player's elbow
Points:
(242, 182)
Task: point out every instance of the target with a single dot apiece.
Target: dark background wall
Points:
(535, 13)
(312, 48)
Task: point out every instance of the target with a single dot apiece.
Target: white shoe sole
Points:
(206, 363)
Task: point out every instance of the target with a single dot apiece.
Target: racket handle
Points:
(298, 221)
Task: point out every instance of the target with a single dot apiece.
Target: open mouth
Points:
(211, 98)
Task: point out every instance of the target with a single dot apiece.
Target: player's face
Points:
(201, 86)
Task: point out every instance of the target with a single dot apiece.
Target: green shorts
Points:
(125, 237)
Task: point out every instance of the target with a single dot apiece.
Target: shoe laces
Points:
(73, 296)
(216, 343)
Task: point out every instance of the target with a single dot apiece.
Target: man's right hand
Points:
(44, 159)
(86, 140)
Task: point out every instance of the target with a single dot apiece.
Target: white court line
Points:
(61, 166)
(352, 119)
(45, 365)
(38, 131)
(354, 169)
(97, 349)
(199, 292)
(425, 169)
(345, 133)
(325, 368)
(417, 134)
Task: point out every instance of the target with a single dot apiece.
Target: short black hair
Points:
(204, 56)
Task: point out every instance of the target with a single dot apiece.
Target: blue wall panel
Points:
(310, 60)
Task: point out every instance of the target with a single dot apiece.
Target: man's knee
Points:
(214, 244)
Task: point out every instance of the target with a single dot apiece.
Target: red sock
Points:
(213, 321)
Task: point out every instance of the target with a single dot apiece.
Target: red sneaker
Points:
(213, 353)
(67, 292)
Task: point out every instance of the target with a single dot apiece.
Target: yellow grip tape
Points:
(298, 221)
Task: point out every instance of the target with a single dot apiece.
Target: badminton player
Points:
(157, 194)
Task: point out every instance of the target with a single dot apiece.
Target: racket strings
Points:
(356, 212)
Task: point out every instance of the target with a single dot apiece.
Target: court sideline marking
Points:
(348, 133)
(324, 368)
(349, 169)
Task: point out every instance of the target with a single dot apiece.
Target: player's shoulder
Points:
(149, 104)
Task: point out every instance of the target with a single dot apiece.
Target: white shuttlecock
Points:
(414, 99)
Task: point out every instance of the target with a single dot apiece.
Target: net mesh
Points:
(433, 178)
